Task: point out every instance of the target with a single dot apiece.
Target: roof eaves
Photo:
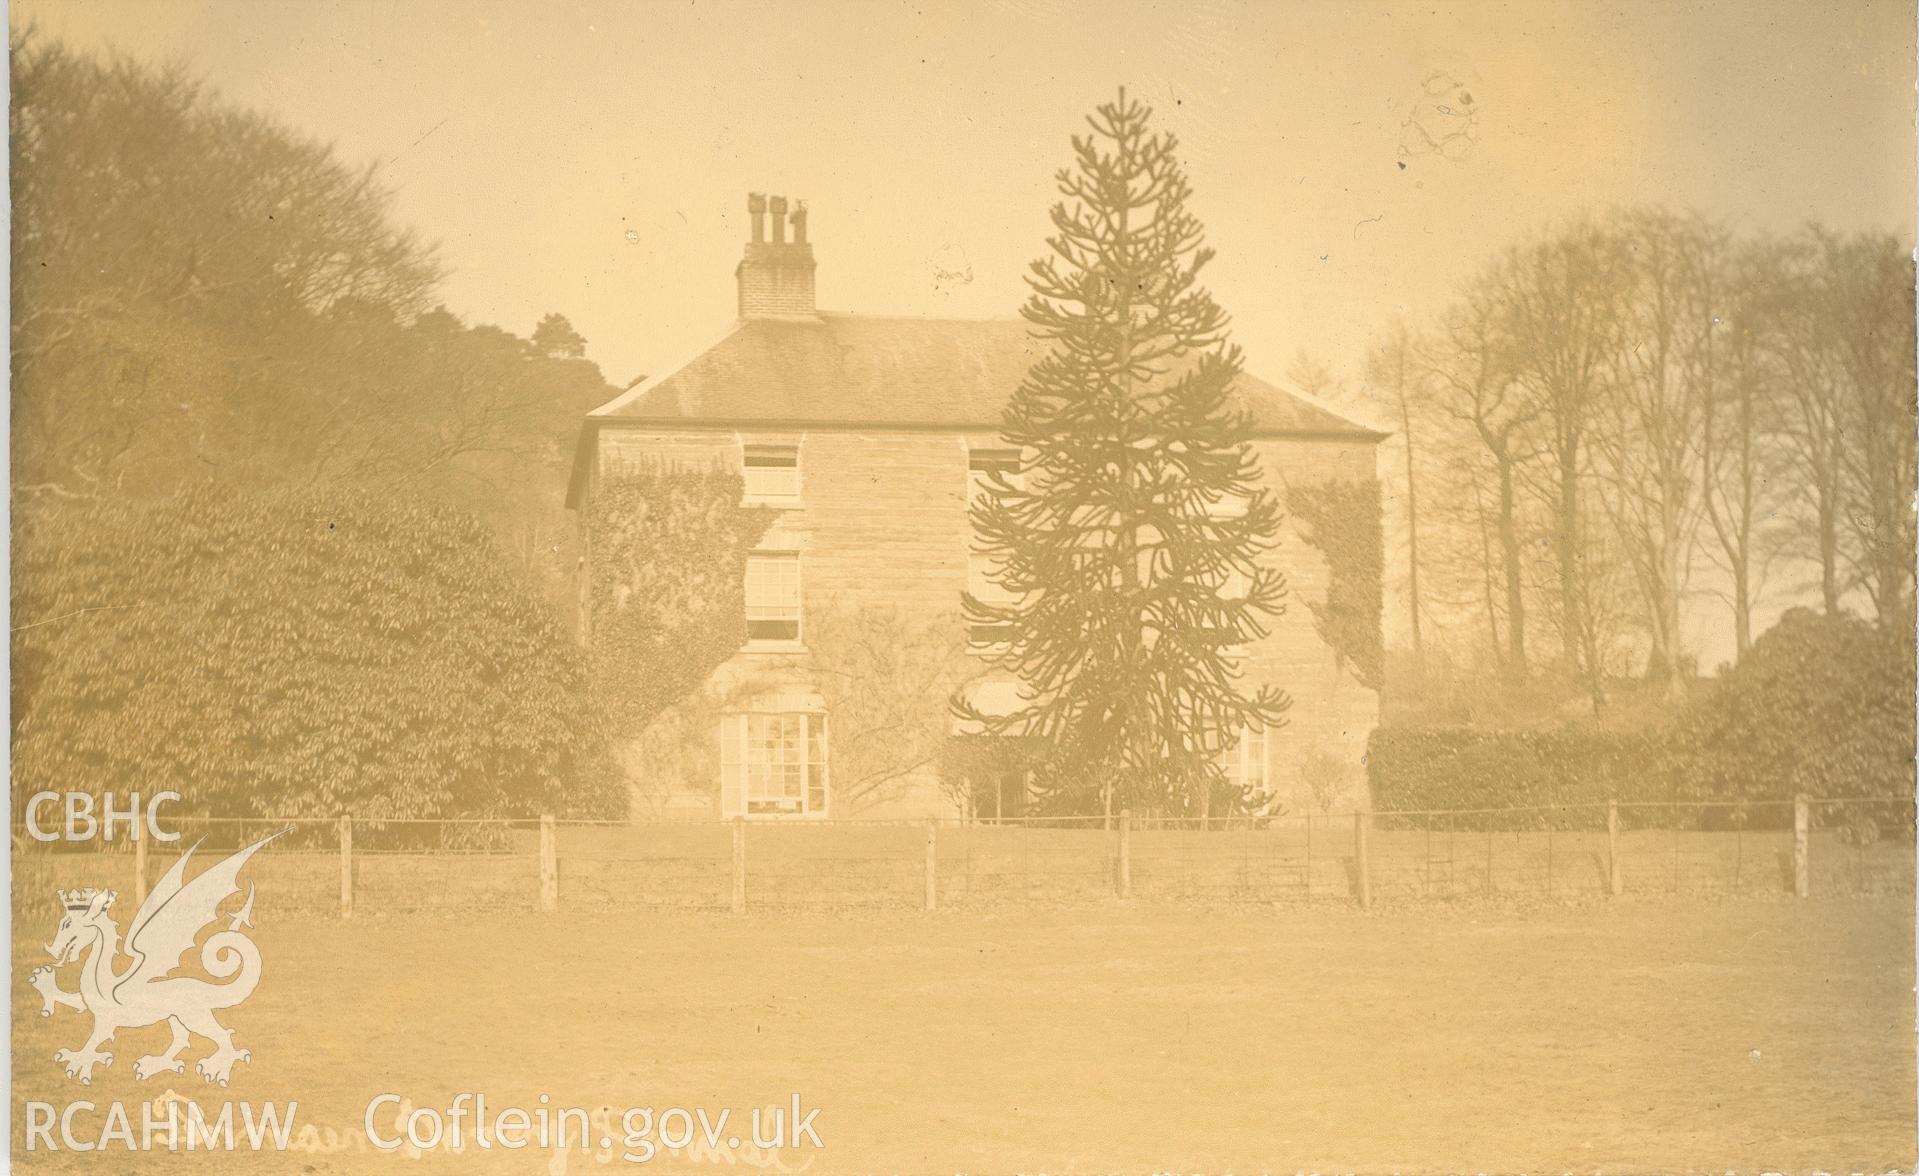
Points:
(1352, 433)
(626, 399)
(1337, 412)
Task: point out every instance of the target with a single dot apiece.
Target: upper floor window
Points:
(773, 473)
(983, 464)
(1230, 506)
(1235, 584)
(773, 596)
(982, 580)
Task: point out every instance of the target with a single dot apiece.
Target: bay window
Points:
(773, 765)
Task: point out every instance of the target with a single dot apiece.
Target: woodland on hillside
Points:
(289, 536)
(203, 295)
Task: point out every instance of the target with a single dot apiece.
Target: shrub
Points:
(1821, 706)
(295, 654)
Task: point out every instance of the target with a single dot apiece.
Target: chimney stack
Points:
(776, 275)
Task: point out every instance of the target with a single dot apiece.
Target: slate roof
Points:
(846, 369)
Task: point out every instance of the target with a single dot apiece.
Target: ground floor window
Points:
(1244, 761)
(773, 765)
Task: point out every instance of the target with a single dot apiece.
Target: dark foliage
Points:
(1342, 520)
(1821, 705)
(1565, 776)
(667, 600)
(296, 653)
(205, 294)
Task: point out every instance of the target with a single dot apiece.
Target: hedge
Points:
(1561, 779)
(1821, 706)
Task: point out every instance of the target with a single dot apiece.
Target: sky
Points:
(593, 159)
(1353, 163)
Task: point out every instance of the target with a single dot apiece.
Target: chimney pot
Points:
(775, 277)
(756, 205)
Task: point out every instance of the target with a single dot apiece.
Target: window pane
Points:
(784, 769)
(772, 483)
(1230, 506)
(1244, 760)
(772, 456)
(773, 596)
(982, 580)
(1235, 585)
(982, 464)
(816, 764)
(989, 634)
(772, 471)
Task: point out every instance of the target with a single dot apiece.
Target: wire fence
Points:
(355, 867)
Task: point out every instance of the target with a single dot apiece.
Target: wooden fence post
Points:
(739, 865)
(1309, 857)
(932, 864)
(346, 866)
(1123, 863)
(549, 865)
(1362, 867)
(139, 868)
(1801, 846)
(1612, 848)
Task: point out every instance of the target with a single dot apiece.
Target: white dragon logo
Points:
(145, 993)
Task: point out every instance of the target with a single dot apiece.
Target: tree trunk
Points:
(1487, 578)
(1412, 512)
(1668, 625)
(1829, 554)
(1515, 586)
(1566, 541)
(1741, 609)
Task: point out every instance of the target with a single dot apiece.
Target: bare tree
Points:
(887, 678)
(1312, 375)
(1470, 364)
(1865, 292)
(1650, 420)
(1814, 425)
(1564, 297)
(1739, 452)
(1393, 372)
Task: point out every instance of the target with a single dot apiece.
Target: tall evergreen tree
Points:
(1126, 545)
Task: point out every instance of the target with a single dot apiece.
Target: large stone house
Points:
(868, 434)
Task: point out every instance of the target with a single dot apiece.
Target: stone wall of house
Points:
(882, 524)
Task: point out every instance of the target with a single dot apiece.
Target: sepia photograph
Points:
(995, 588)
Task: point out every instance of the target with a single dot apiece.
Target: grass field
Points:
(1632, 1036)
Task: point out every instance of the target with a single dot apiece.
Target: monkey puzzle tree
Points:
(1126, 545)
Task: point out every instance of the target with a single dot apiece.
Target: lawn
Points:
(1642, 1034)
